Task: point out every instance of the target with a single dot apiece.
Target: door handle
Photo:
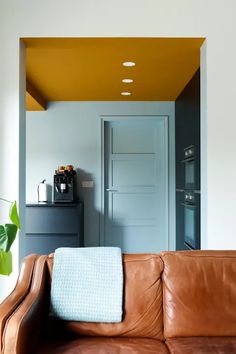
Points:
(111, 190)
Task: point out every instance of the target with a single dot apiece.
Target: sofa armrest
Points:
(8, 306)
(23, 328)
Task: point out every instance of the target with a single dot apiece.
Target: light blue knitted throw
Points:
(87, 284)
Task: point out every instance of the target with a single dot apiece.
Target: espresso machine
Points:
(65, 184)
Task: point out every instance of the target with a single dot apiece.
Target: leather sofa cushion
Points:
(199, 293)
(142, 304)
(105, 346)
(202, 345)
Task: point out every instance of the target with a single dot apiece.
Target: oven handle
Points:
(188, 160)
(189, 205)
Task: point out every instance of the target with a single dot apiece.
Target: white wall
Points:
(214, 19)
(70, 133)
(11, 92)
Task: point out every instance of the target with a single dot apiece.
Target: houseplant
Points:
(8, 234)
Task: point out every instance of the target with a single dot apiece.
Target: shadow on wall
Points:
(50, 192)
(92, 217)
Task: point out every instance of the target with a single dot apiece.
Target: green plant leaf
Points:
(7, 236)
(13, 214)
(5, 262)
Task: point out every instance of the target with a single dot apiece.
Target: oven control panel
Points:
(189, 152)
(189, 197)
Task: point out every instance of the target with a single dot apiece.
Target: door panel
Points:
(132, 139)
(134, 208)
(132, 239)
(136, 184)
(127, 172)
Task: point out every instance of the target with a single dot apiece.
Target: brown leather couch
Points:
(174, 303)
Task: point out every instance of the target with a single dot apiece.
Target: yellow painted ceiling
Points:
(90, 69)
(32, 104)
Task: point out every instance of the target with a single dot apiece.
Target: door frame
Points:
(113, 118)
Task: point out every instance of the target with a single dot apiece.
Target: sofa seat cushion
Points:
(202, 345)
(99, 345)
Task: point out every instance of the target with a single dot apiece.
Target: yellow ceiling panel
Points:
(32, 104)
(90, 69)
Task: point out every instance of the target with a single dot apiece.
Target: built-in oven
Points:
(191, 219)
(189, 167)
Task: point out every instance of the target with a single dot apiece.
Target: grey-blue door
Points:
(136, 184)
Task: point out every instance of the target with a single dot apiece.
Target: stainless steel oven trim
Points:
(188, 159)
(186, 205)
(196, 191)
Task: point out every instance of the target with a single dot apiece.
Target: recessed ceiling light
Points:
(125, 93)
(129, 63)
(127, 81)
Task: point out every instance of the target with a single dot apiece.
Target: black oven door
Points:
(192, 223)
(189, 173)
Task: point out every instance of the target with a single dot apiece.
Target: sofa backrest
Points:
(142, 304)
(199, 293)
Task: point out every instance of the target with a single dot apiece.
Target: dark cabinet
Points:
(179, 221)
(187, 136)
(49, 226)
(187, 129)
